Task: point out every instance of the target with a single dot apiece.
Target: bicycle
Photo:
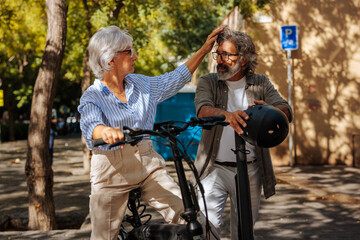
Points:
(146, 230)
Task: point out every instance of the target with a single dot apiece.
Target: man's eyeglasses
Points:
(224, 56)
(130, 51)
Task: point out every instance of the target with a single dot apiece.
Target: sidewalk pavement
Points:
(312, 202)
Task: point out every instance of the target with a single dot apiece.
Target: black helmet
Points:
(267, 126)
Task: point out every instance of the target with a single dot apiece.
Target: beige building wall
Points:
(325, 76)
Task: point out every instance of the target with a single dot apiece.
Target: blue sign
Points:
(289, 37)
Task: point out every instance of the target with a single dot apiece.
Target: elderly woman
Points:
(120, 98)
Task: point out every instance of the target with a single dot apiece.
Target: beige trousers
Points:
(115, 173)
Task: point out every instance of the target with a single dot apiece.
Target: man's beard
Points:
(229, 73)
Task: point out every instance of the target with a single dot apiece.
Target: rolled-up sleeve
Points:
(91, 116)
(204, 94)
(273, 97)
(168, 84)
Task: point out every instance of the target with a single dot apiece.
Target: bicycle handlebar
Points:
(162, 129)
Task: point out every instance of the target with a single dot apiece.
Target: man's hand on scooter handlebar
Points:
(209, 122)
(211, 119)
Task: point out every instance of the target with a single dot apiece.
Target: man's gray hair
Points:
(103, 47)
(245, 47)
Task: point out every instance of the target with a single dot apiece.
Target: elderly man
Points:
(230, 91)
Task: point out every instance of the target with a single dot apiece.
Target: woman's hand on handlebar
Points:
(112, 135)
(108, 134)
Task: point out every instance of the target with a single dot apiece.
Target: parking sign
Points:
(289, 37)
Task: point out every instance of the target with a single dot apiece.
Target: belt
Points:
(232, 164)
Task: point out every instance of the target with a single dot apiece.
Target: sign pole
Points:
(289, 41)
(289, 89)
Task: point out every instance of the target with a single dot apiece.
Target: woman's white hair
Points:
(103, 47)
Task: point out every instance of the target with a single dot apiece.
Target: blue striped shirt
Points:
(99, 106)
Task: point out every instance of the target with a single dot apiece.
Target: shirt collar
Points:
(101, 86)
(250, 80)
(129, 86)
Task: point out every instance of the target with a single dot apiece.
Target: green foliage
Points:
(249, 7)
(23, 95)
(76, 41)
(165, 33)
(22, 39)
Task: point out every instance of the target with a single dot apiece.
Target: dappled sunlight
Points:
(325, 76)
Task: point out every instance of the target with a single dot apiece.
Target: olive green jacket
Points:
(213, 92)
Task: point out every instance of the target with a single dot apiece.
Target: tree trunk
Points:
(85, 83)
(38, 168)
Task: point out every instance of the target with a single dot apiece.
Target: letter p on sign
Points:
(288, 32)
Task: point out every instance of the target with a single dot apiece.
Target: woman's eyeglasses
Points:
(130, 51)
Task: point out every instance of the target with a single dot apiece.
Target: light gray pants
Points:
(115, 173)
(218, 185)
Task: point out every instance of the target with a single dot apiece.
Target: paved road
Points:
(312, 202)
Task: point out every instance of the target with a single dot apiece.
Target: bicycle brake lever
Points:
(222, 123)
(208, 126)
(130, 131)
(159, 125)
(135, 140)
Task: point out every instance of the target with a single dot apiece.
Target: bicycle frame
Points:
(189, 214)
(193, 229)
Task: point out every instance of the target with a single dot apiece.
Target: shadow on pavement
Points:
(71, 191)
(312, 202)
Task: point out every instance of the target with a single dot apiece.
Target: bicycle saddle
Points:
(267, 126)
